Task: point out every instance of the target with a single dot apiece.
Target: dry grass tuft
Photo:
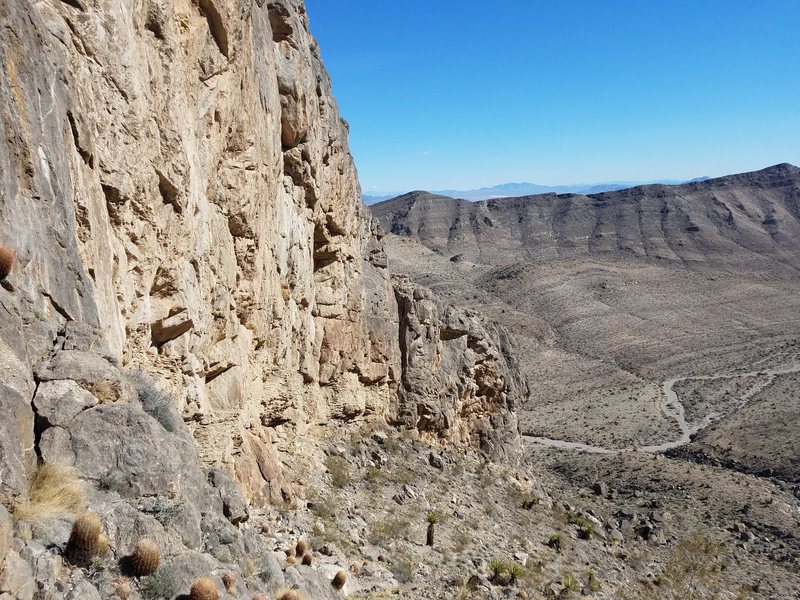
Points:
(229, 581)
(56, 492)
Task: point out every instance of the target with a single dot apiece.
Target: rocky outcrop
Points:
(461, 382)
(142, 473)
(177, 177)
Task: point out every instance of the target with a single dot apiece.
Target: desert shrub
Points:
(388, 529)
(165, 511)
(556, 542)
(56, 492)
(154, 402)
(404, 566)
(692, 569)
(529, 501)
(339, 469)
(164, 583)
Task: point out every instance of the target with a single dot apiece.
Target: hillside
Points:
(657, 318)
(649, 282)
(750, 220)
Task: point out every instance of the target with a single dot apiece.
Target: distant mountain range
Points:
(508, 190)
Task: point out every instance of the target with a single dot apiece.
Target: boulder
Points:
(234, 504)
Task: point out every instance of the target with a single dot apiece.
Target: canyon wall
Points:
(176, 181)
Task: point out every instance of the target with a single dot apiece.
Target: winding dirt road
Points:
(673, 408)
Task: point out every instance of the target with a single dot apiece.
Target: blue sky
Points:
(461, 94)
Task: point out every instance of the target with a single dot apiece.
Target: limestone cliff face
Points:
(460, 377)
(175, 173)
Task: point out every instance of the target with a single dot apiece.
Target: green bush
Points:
(163, 584)
(556, 542)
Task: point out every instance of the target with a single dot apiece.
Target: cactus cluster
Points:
(339, 580)
(85, 539)
(7, 257)
(204, 589)
(289, 595)
(145, 557)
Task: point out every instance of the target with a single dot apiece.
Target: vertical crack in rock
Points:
(215, 25)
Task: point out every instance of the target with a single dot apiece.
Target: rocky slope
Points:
(661, 317)
(177, 187)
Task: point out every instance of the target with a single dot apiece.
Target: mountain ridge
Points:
(756, 212)
(526, 189)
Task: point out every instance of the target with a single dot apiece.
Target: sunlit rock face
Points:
(176, 175)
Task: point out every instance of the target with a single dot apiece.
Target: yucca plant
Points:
(433, 519)
(498, 568)
(515, 571)
(570, 583)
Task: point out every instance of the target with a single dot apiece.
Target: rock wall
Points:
(460, 378)
(176, 175)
